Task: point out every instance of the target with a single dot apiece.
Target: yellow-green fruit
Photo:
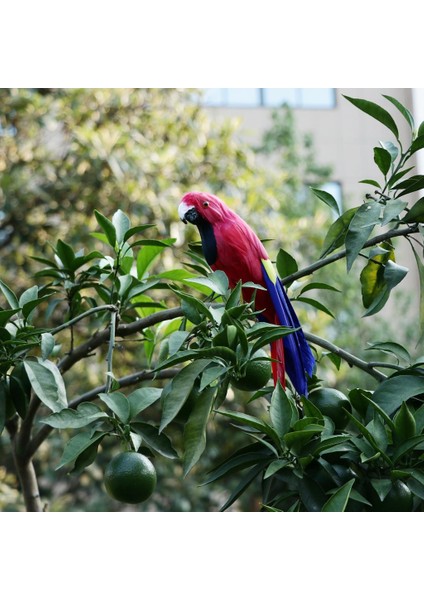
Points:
(257, 374)
(331, 403)
(130, 477)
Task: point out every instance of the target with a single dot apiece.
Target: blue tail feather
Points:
(299, 359)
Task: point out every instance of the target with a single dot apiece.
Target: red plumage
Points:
(239, 255)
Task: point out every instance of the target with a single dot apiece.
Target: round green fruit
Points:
(257, 373)
(130, 477)
(331, 403)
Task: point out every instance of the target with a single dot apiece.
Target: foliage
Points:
(367, 457)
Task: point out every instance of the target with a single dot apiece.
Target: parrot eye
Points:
(205, 204)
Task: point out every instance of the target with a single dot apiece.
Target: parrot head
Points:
(205, 211)
(199, 208)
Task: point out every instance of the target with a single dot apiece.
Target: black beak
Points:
(191, 216)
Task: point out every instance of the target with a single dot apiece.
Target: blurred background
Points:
(66, 152)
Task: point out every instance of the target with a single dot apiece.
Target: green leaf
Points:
(137, 229)
(243, 485)
(282, 411)
(394, 274)
(47, 345)
(393, 391)
(5, 315)
(417, 144)
(404, 111)
(372, 182)
(121, 223)
(316, 304)
(392, 210)
(19, 389)
(194, 309)
(217, 282)
(382, 487)
(396, 176)
(373, 284)
(158, 441)
(405, 425)
(141, 399)
(392, 348)
(336, 235)
(78, 444)
(275, 466)
(416, 213)
(382, 159)
(412, 184)
(9, 295)
(69, 418)
(327, 199)
(211, 374)
(318, 286)
(338, 501)
(360, 228)
(391, 149)
(118, 404)
(147, 255)
(46, 381)
(377, 112)
(286, 264)
(66, 254)
(107, 227)
(178, 390)
(28, 296)
(251, 422)
(195, 429)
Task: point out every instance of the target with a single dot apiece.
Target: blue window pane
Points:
(280, 96)
(214, 96)
(317, 97)
(243, 97)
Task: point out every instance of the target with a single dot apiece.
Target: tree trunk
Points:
(25, 470)
(29, 484)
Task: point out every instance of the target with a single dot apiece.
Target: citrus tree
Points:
(358, 449)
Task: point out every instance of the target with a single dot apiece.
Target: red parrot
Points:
(230, 245)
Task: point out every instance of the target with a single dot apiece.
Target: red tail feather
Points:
(278, 368)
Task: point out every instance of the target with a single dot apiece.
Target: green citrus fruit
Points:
(130, 477)
(331, 402)
(257, 374)
(399, 499)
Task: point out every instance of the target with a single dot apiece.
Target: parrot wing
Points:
(297, 353)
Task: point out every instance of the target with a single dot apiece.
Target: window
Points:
(312, 98)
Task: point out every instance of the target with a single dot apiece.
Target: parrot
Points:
(230, 245)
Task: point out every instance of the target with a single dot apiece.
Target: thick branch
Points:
(346, 356)
(124, 330)
(339, 255)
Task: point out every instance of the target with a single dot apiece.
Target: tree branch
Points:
(339, 255)
(346, 356)
(122, 330)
